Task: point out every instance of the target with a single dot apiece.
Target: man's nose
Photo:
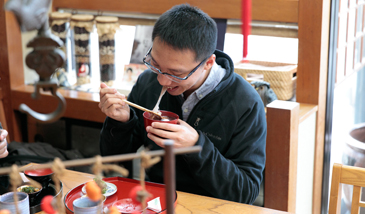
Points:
(163, 79)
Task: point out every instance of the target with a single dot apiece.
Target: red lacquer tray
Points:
(124, 185)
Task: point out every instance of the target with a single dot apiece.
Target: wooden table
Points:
(186, 203)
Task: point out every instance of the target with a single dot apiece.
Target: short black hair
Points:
(187, 27)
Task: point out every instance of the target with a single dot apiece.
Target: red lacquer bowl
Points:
(43, 176)
(124, 185)
(173, 118)
(38, 172)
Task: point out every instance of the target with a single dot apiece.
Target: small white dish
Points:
(87, 206)
(104, 197)
(110, 189)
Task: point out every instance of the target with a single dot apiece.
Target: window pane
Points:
(342, 29)
(344, 4)
(352, 3)
(363, 49)
(363, 17)
(359, 19)
(351, 24)
(340, 68)
(357, 53)
(349, 59)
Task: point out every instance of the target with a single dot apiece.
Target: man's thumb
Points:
(103, 85)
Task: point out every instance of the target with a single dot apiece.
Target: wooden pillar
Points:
(313, 35)
(11, 69)
(281, 155)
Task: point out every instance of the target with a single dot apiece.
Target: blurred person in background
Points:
(3, 143)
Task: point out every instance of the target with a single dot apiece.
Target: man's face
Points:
(179, 63)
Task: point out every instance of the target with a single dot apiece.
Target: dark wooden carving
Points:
(46, 56)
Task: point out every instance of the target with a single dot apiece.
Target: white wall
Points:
(305, 167)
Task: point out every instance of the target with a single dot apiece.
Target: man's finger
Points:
(3, 134)
(3, 155)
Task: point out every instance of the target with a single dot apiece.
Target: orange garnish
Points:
(93, 191)
(113, 210)
(4, 212)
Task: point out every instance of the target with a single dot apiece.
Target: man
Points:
(218, 111)
(3, 143)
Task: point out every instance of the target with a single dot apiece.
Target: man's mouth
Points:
(171, 89)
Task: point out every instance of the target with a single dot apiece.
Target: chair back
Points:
(350, 175)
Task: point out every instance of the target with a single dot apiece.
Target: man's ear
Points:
(210, 62)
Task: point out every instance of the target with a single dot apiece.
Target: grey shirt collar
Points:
(215, 76)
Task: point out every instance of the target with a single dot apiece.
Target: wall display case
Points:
(106, 27)
(82, 25)
(60, 25)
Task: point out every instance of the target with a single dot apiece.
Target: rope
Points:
(99, 167)
(15, 180)
(146, 162)
(58, 170)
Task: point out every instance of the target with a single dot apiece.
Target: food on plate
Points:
(28, 189)
(113, 210)
(137, 194)
(102, 184)
(93, 191)
(127, 205)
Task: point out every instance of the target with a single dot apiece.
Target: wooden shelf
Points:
(80, 105)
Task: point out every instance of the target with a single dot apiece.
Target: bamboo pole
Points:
(106, 159)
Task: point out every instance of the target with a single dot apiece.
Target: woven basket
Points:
(281, 76)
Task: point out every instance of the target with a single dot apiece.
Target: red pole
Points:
(245, 27)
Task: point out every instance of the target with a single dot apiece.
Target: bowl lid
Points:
(38, 172)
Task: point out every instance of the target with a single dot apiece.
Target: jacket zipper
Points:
(197, 122)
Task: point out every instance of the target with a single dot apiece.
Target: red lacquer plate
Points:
(124, 185)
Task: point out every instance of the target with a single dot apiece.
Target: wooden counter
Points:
(186, 204)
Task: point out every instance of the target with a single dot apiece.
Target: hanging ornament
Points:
(48, 205)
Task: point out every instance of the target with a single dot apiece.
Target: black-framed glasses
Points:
(147, 59)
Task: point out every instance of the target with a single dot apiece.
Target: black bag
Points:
(25, 153)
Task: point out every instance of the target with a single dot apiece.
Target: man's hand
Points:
(112, 104)
(3, 143)
(181, 133)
